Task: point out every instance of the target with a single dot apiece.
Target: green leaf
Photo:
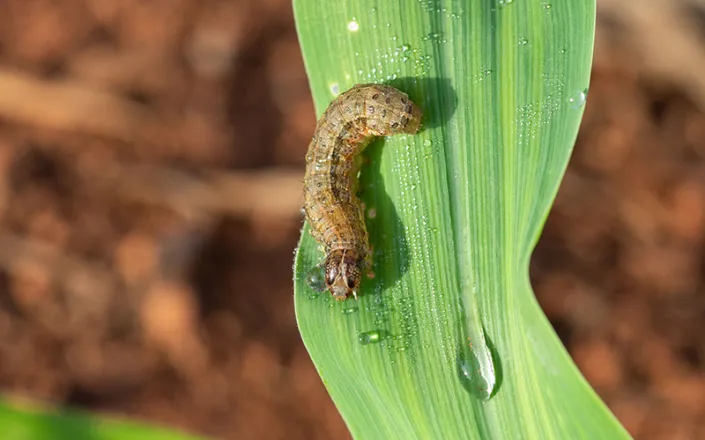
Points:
(29, 423)
(450, 320)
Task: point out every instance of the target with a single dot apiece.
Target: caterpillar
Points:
(332, 208)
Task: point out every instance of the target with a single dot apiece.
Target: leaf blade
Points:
(459, 209)
(29, 422)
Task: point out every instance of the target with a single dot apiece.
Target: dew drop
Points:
(578, 99)
(523, 41)
(476, 371)
(370, 337)
(334, 89)
(353, 26)
(315, 278)
(349, 311)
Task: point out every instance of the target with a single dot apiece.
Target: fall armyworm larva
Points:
(332, 207)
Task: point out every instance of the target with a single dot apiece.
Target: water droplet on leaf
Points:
(315, 278)
(476, 371)
(370, 337)
(578, 99)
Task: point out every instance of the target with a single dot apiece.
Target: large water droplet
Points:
(476, 370)
(578, 99)
(315, 278)
(476, 367)
(370, 337)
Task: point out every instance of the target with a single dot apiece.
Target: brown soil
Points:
(149, 189)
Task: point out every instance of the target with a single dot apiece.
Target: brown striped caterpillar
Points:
(331, 205)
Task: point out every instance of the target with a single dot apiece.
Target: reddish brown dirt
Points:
(121, 299)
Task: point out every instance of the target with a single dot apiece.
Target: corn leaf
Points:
(28, 421)
(447, 340)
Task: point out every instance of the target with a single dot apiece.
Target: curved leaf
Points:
(450, 320)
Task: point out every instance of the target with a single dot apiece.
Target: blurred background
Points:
(151, 157)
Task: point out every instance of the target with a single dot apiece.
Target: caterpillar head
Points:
(343, 271)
